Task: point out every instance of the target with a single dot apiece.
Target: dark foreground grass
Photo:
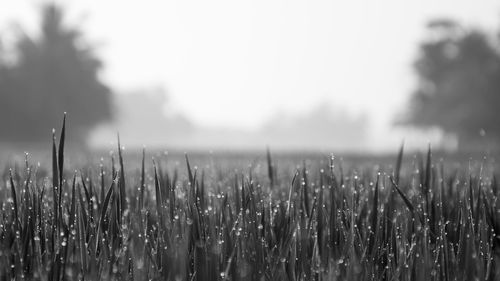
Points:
(413, 222)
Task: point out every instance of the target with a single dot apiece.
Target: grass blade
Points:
(121, 183)
(103, 213)
(14, 199)
(270, 168)
(60, 153)
(405, 199)
(397, 171)
(143, 178)
(374, 214)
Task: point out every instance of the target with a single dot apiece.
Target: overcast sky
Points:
(236, 63)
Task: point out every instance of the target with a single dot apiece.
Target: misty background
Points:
(292, 75)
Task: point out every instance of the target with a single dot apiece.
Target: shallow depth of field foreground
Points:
(414, 220)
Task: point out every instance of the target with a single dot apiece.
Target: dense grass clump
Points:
(411, 222)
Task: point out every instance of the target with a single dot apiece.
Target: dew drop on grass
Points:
(140, 263)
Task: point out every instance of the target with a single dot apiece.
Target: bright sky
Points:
(235, 63)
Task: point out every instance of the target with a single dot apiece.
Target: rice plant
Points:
(106, 222)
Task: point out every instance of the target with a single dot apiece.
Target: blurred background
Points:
(353, 76)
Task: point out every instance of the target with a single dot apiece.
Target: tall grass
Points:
(412, 222)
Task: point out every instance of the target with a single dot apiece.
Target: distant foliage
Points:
(52, 73)
(459, 83)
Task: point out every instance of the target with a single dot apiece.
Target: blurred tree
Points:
(459, 83)
(51, 74)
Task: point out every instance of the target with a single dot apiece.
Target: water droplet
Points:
(140, 263)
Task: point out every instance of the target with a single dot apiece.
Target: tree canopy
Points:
(52, 73)
(459, 83)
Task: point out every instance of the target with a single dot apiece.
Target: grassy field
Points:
(260, 217)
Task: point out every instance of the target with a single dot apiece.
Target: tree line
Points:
(458, 71)
(48, 74)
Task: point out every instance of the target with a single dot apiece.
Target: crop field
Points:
(268, 217)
